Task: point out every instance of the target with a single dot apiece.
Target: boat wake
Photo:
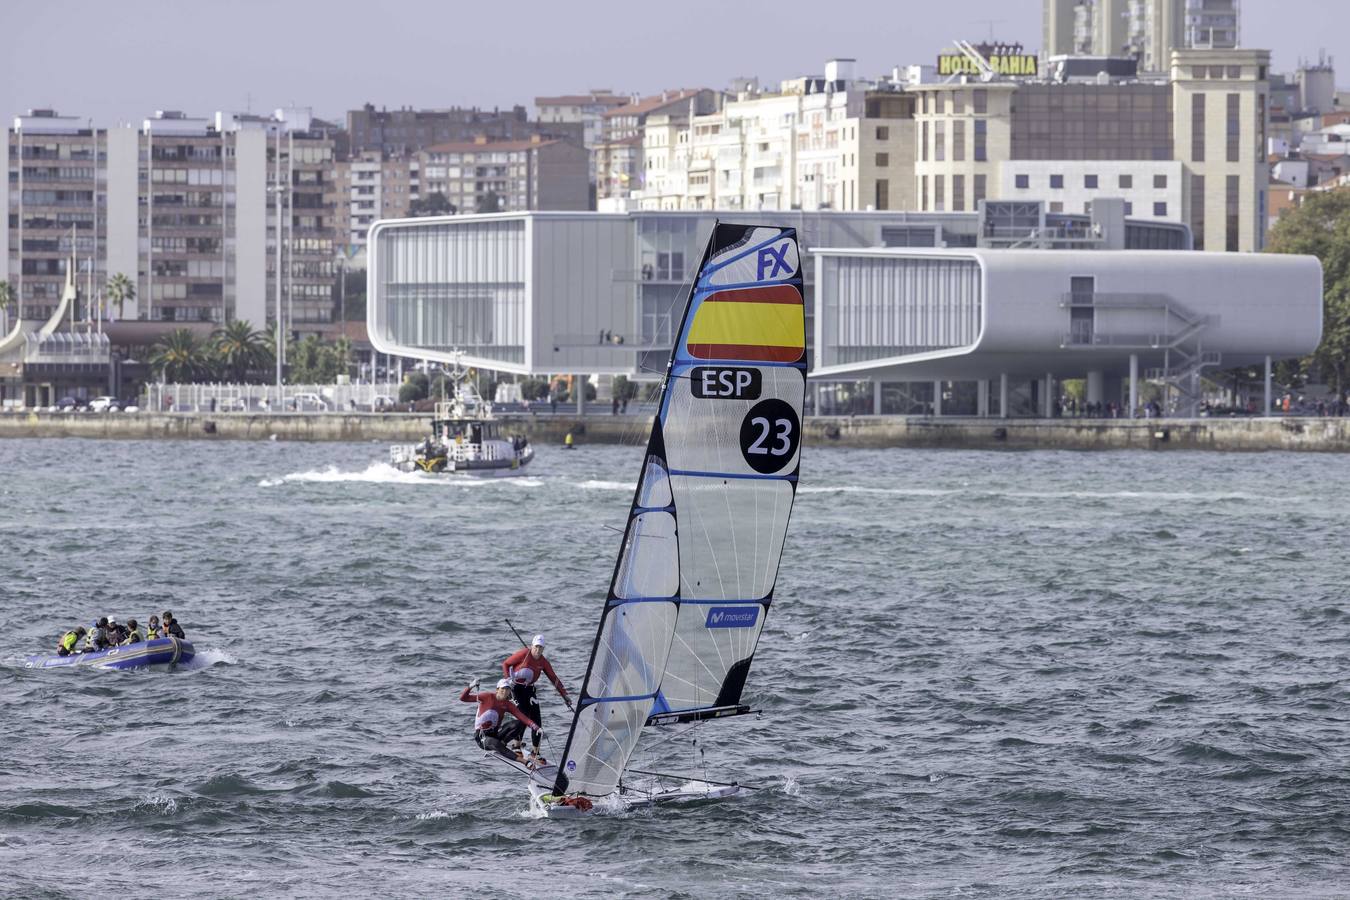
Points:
(383, 473)
(598, 485)
(204, 659)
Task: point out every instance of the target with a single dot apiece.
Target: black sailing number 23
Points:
(770, 434)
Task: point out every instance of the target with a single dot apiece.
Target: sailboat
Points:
(695, 574)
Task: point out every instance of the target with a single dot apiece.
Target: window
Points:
(1160, 182)
(1022, 181)
(1234, 127)
(923, 143)
(1125, 182)
(981, 133)
(939, 193)
(1090, 182)
(1216, 71)
(940, 143)
(1198, 72)
(1056, 206)
(1198, 211)
(959, 141)
(883, 133)
(958, 193)
(1235, 71)
(1056, 182)
(1232, 198)
(1129, 208)
(923, 189)
(883, 160)
(883, 194)
(981, 97)
(1197, 128)
(979, 191)
(1160, 208)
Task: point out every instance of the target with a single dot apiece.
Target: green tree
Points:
(624, 389)
(433, 204)
(489, 203)
(1321, 227)
(180, 357)
(240, 350)
(313, 362)
(415, 387)
(121, 290)
(7, 303)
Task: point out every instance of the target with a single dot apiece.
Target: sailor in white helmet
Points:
(524, 668)
(491, 731)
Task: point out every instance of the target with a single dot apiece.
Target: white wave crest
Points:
(791, 786)
(598, 485)
(201, 659)
(383, 473)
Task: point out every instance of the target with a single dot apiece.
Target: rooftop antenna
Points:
(991, 23)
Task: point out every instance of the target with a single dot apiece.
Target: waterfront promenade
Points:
(1227, 434)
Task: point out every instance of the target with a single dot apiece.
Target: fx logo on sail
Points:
(773, 263)
(725, 383)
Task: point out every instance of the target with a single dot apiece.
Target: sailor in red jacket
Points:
(491, 731)
(524, 668)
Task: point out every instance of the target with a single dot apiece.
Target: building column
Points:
(1003, 395)
(982, 398)
(1269, 385)
(937, 398)
(1049, 396)
(876, 398)
(579, 388)
(1093, 392)
(1134, 384)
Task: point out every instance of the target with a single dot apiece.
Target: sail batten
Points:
(694, 579)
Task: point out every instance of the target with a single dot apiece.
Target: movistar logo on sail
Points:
(732, 616)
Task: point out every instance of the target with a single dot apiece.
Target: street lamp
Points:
(279, 191)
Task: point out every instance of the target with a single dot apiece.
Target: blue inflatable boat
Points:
(159, 652)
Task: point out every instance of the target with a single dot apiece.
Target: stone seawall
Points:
(1310, 434)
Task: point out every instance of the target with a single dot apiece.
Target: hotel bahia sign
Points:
(1005, 59)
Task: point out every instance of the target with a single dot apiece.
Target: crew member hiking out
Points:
(524, 668)
(491, 731)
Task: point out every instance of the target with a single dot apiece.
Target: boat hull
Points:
(476, 468)
(144, 655)
(541, 785)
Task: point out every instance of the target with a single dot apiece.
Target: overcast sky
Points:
(119, 60)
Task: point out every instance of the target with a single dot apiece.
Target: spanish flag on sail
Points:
(766, 324)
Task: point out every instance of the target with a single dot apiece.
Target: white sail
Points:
(695, 576)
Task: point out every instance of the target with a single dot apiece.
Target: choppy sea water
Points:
(985, 674)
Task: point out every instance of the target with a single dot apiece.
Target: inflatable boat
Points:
(158, 652)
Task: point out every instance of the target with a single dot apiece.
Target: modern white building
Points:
(1150, 190)
(1022, 320)
(896, 302)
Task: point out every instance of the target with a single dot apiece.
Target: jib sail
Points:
(695, 575)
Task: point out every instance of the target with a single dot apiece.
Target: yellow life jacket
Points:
(69, 640)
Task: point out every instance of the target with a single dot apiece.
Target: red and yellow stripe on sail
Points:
(766, 324)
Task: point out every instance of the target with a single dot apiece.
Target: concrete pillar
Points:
(1134, 384)
(1049, 406)
(937, 398)
(1095, 380)
(1269, 385)
(982, 398)
(876, 398)
(579, 388)
(1003, 395)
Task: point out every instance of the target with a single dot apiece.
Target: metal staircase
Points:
(1182, 374)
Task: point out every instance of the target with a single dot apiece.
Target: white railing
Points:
(267, 398)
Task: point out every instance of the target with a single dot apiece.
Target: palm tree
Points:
(239, 349)
(120, 290)
(6, 302)
(179, 357)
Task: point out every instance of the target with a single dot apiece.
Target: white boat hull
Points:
(541, 786)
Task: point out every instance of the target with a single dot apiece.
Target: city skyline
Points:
(137, 44)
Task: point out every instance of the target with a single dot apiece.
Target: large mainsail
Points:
(695, 575)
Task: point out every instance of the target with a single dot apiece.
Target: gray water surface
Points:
(985, 674)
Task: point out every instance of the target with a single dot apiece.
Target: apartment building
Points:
(619, 166)
(1146, 29)
(400, 132)
(978, 141)
(371, 186)
(587, 109)
(507, 176)
(817, 143)
(190, 209)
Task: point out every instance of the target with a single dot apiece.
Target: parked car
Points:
(68, 404)
(307, 403)
(232, 404)
(105, 404)
(383, 403)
